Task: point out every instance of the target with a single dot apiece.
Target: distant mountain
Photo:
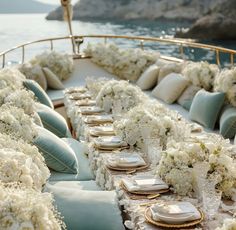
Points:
(24, 6)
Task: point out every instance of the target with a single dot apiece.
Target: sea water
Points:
(16, 29)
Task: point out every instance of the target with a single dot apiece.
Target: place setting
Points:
(110, 143)
(173, 214)
(98, 119)
(74, 90)
(91, 110)
(126, 162)
(86, 102)
(143, 187)
(79, 96)
(98, 131)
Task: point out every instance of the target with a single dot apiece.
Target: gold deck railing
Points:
(181, 43)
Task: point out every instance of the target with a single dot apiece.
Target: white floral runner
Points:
(110, 180)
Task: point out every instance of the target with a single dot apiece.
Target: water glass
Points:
(211, 200)
(200, 171)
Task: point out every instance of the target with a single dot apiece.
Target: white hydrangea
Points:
(59, 63)
(201, 74)
(182, 156)
(229, 224)
(21, 98)
(17, 124)
(154, 116)
(127, 64)
(25, 208)
(225, 82)
(38, 169)
(12, 78)
(18, 167)
(120, 96)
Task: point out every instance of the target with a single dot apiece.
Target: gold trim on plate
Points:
(148, 217)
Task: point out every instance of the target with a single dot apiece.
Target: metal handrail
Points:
(174, 41)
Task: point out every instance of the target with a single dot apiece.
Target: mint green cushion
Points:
(228, 122)
(187, 104)
(85, 172)
(53, 121)
(87, 210)
(58, 155)
(38, 91)
(205, 107)
(89, 185)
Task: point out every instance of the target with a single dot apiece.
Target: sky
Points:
(56, 2)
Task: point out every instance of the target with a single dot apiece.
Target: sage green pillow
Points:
(53, 121)
(58, 155)
(39, 93)
(228, 122)
(206, 107)
(86, 209)
(85, 172)
(186, 98)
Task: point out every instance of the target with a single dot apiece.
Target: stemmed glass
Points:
(211, 199)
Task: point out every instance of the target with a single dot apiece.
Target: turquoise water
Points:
(18, 28)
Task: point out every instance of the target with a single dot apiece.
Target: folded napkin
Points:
(111, 141)
(102, 130)
(98, 119)
(75, 90)
(91, 109)
(85, 102)
(175, 212)
(126, 160)
(79, 96)
(144, 184)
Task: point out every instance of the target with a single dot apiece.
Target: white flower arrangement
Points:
(17, 124)
(11, 77)
(95, 84)
(127, 64)
(24, 208)
(119, 95)
(18, 167)
(229, 224)
(225, 82)
(201, 74)
(20, 98)
(60, 64)
(32, 163)
(152, 116)
(177, 162)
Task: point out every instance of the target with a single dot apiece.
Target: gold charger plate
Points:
(129, 169)
(148, 217)
(143, 193)
(76, 90)
(101, 134)
(79, 97)
(92, 112)
(112, 148)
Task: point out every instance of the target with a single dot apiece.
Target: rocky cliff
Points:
(219, 23)
(214, 19)
(138, 9)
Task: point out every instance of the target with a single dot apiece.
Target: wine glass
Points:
(211, 199)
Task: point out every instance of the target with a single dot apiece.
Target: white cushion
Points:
(169, 68)
(53, 81)
(149, 77)
(170, 88)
